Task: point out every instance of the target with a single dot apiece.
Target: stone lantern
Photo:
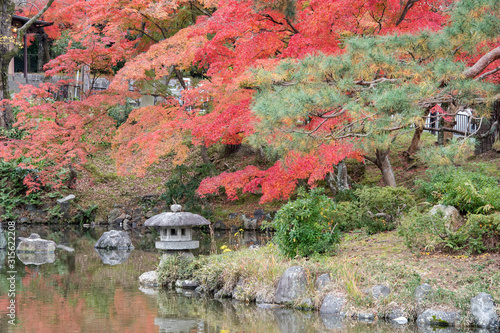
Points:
(176, 229)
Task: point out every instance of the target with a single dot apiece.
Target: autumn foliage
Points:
(241, 51)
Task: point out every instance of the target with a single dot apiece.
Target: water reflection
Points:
(113, 257)
(81, 292)
(29, 258)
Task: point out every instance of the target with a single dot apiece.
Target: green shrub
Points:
(426, 232)
(176, 267)
(483, 233)
(305, 226)
(182, 185)
(346, 215)
(379, 207)
(468, 191)
(13, 190)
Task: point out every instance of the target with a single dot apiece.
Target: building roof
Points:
(37, 27)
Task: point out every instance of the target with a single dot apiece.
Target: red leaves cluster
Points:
(279, 181)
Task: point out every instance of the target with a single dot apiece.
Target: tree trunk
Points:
(204, 154)
(382, 162)
(6, 12)
(415, 142)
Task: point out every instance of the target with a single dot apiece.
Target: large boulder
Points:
(291, 286)
(432, 317)
(453, 219)
(35, 244)
(484, 311)
(380, 291)
(114, 240)
(422, 292)
(332, 305)
(149, 279)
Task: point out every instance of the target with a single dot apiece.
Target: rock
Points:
(232, 216)
(332, 305)
(149, 214)
(3, 240)
(149, 279)
(291, 286)
(113, 257)
(399, 320)
(223, 294)
(264, 297)
(176, 208)
(35, 244)
(380, 291)
(366, 316)
(422, 291)
(450, 214)
(323, 281)
(432, 317)
(114, 240)
(66, 199)
(249, 223)
(113, 215)
(394, 313)
(187, 284)
(259, 214)
(241, 292)
(23, 219)
(31, 258)
(219, 225)
(200, 289)
(65, 248)
(484, 311)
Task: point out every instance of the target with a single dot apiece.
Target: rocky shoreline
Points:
(293, 290)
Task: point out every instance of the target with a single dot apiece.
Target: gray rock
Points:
(113, 257)
(35, 244)
(399, 320)
(219, 225)
(66, 199)
(113, 215)
(291, 286)
(380, 291)
(65, 248)
(232, 216)
(366, 316)
(200, 289)
(187, 284)
(249, 223)
(149, 214)
(114, 240)
(422, 292)
(263, 297)
(149, 279)
(31, 258)
(323, 281)
(432, 317)
(223, 294)
(3, 240)
(450, 214)
(484, 311)
(332, 305)
(393, 314)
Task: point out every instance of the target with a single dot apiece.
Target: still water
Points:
(86, 291)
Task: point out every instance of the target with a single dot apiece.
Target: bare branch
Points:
(482, 63)
(482, 76)
(22, 31)
(408, 6)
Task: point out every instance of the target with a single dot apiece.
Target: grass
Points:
(361, 263)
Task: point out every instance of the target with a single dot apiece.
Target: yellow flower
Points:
(226, 250)
(223, 247)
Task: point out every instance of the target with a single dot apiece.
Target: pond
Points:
(75, 291)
